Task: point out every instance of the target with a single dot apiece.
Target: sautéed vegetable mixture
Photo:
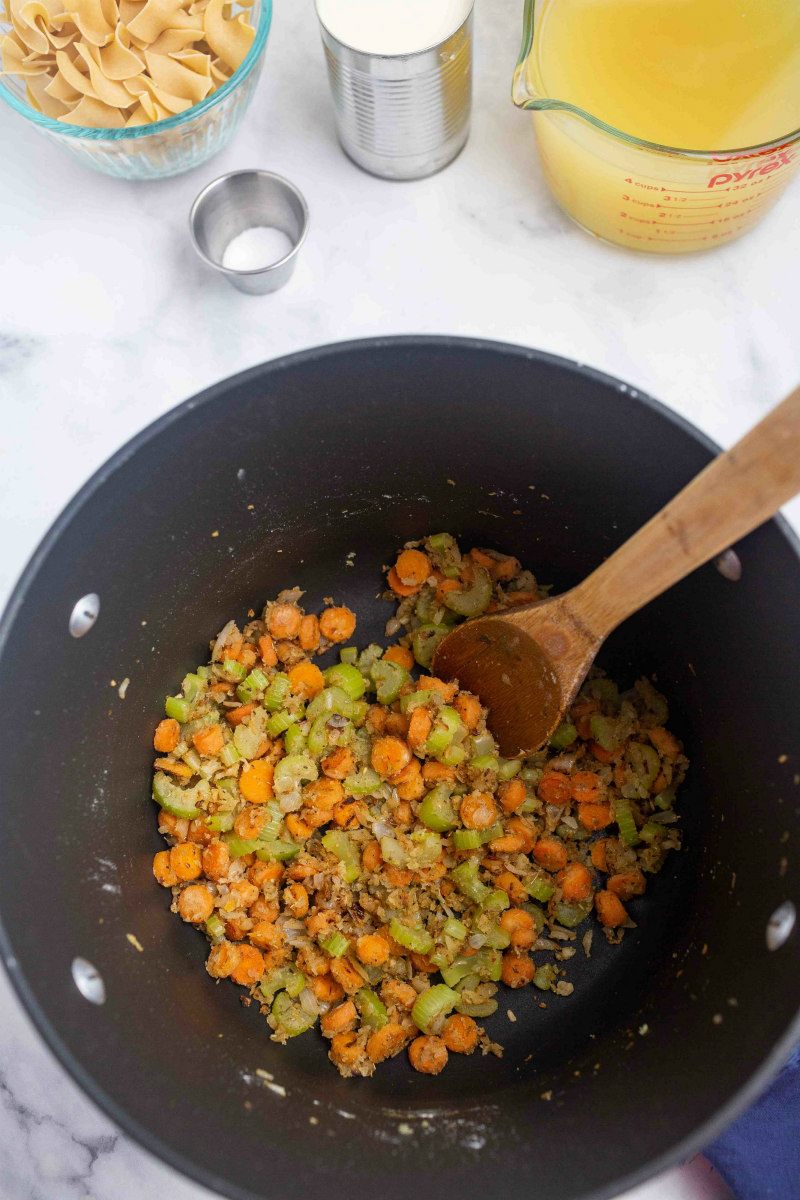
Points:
(358, 855)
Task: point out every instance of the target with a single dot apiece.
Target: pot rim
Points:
(681, 1150)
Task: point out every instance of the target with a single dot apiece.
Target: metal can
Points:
(402, 116)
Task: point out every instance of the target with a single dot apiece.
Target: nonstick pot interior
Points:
(275, 478)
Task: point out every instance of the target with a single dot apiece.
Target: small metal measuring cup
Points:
(242, 200)
(402, 116)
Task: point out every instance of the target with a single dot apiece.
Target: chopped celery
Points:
(362, 783)
(247, 739)
(473, 600)
(388, 678)
(276, 849)
(508, 768)
(238, 847)
(339, 844)
(318, 735)
(486, 963)
(540, 886)
(215, 927)
(348, 678)
(436, 810)
(452, 756)
(220, 822)
(280, 721)
(293, 770)
(336, 944)
(455, 929)
(436, 1002)
(496, 901)
(427, 846)
(425, 641)
(294, 739)
(465, 877)
(359, 714)
(178, 708)
(446, 727)
(485, 1009)
(330, 700)
(415, 939)
(604, 732)
(570, 915)
(470, 839)
(482, 743)
(371, 1008)
(645, 763)
(349, 655)
(369, 656)
(651, 832)
(484, 762)
(272, 826)
(229, 754)
(414, 700)
(290, 1016)
(544, 977)
(174, 800)
(277, 693)
(192, 687)
(564, 736)
(665, 800)
(624, 818)
(497, 938)
(233, 671)
(280, 978)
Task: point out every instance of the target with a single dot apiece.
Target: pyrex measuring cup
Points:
(639, 194)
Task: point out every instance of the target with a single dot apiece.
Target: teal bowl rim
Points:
(141, 131)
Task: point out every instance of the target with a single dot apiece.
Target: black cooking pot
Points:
(273, 478)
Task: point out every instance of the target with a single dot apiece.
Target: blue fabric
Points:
(759, 1155)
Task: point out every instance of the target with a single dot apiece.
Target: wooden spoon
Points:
(528, 664)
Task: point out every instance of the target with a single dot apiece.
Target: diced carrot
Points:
(401, 655)
(284, 620)
(468, 708)
(603, 756)
(595, 816)
(665, 742)
(516, 599)
(431, 684)
(255, 783)
(413, 568)
(520, 924)
(269, 655)
(550, 854)
(163, 871)
(512, 794)
(371, 857)
(167, 736)
(610, 910)
(478, 811)
(209, 741)
(586, 787)
(436, 772)
(517, 969)
(306, 679)
(250, 966)
(555, 788)
(237, 715)
(599, 860)
(339, 763)
(397, 724)
(337, 624)
(390, 755)
(308, 636)
(182, 770)
(444, 587)
(576, 882)
(627, 884)
(398, 587)
(519, 827)
(481, 558)
(372, 950)
(419, 726)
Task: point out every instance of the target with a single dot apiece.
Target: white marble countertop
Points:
(108, 320)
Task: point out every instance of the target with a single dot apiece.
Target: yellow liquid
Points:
(702, 75)
(694, 74)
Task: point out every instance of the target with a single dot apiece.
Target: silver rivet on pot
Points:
(729, 565)
(88, 981)
(780, 925)
(84, 614)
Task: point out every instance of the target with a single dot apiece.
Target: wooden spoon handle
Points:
(735, 493)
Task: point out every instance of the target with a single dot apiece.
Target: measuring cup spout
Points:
(527, 91)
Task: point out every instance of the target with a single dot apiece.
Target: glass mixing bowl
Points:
(166, 147)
